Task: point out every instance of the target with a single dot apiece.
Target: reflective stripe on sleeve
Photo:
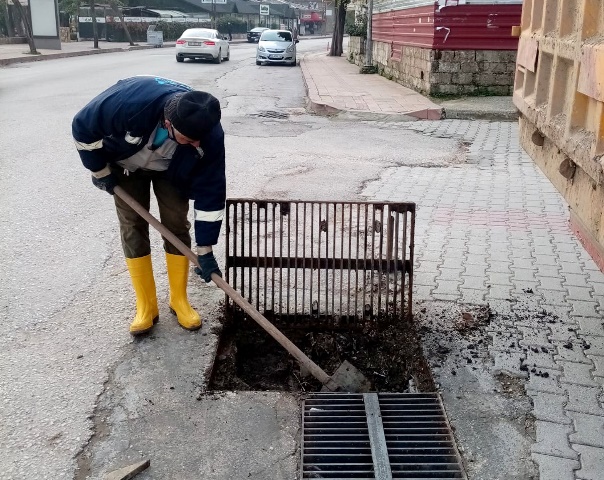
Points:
(214, 216)
(89, 146)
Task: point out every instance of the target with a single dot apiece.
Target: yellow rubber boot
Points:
(178, 276)
(147, 313)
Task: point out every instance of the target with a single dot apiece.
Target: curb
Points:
(27, 58)
(324, 109)
(501, 116)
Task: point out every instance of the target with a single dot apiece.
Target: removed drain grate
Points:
(377, 436)
(334, 265)
(270, 114)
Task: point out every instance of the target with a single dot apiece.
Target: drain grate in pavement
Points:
(377, 436)
(271, 114)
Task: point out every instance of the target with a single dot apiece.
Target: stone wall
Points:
(12, 40)
(64, 34)
(442, 72)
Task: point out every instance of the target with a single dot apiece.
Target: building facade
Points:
(446, 47)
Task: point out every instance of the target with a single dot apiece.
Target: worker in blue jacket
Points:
(150, 131)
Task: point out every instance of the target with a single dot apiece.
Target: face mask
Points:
(174, 135)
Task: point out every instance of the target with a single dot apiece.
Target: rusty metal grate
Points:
(377, 436)
(324, 264)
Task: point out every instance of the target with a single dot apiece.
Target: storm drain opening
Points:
(335, 278)
(377, 436)
(271, 114)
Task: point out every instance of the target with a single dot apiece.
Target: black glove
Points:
(208, 265)
(106, 183)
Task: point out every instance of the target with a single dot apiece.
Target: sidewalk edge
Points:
(27, 58)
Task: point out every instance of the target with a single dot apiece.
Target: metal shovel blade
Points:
(348, 378)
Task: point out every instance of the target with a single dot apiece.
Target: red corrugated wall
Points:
(462, 27)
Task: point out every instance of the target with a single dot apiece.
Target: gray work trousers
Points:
(173, 211)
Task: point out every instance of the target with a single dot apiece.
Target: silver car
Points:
(202, 44)
(276, 46)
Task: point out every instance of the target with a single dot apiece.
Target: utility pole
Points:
(368, 66)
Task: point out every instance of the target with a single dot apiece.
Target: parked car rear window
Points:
(276, 37)
(198, 32)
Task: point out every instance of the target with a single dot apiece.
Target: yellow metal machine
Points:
(559, 91)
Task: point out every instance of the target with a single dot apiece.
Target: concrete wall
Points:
(442, 72)
(559, 93)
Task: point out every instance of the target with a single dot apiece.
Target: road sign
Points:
(214, 1)
(264, 10)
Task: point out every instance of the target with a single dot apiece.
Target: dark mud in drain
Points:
(389, 355)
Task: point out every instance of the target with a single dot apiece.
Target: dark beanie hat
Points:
(193, 114)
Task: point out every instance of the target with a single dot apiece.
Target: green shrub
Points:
(173, 30)
(358, 28)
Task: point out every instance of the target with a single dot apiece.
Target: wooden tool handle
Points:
(285, 342)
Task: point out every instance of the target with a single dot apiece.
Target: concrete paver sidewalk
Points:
(333, 84)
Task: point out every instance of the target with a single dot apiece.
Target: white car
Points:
(202, 44)
(276, 46)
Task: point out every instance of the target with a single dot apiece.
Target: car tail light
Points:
(180, 42)
(208, 42)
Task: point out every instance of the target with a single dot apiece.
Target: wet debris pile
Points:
(390, 356)
(450, 329)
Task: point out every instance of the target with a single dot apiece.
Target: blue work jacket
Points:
(119, 122)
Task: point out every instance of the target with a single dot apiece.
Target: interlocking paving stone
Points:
(552, 297)
(570, 267)
(549, 384)
(534, 336)
(555, 468)
(551, 283)
(552, 439)
(499, 279)
(577, 374)
(540, 359)
(549, 407)
(508, 363)
(547, 271)
(580, 293)
(592, 462)
(575, 354)
(589, 429)
(574, 280)
(476, 283)
(599, 364)
(453, 274)
(583, 308)
(583, 399)
(593, 326)
(469, 295)
(523, 274)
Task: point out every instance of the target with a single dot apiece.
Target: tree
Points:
(27, 26)
(114, 6)
(95, 33)
(337, 38)
(5, 27)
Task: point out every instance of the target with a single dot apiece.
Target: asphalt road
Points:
(65, 296)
